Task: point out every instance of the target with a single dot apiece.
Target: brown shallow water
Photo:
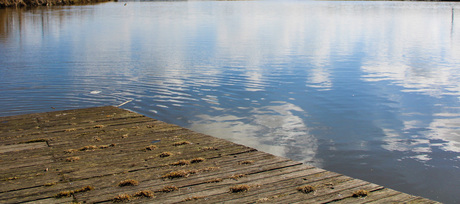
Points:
(367, 89)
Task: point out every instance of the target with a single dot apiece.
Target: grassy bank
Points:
(31, 3)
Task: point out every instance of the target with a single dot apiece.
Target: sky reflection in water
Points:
(368, 89)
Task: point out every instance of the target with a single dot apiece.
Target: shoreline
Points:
(36, 3)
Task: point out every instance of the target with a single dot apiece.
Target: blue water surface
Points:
(367, 89)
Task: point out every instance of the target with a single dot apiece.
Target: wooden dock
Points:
(108, 154)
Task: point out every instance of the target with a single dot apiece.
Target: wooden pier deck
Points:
(108, 154)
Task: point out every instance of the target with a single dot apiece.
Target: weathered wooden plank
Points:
(19, 165)
(418, 199)
(22, 147)
(51, 201)
(346, 192)
(373, 196)
(23, 184)
(398, 198)
(325, 194)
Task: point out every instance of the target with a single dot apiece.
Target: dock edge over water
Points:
(107, 154)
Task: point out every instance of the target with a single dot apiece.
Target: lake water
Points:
(367, 89)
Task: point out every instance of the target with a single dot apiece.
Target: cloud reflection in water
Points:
(275, 129)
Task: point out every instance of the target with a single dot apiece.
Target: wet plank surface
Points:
(107, 154)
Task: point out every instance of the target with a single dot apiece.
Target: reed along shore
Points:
(33, 3)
